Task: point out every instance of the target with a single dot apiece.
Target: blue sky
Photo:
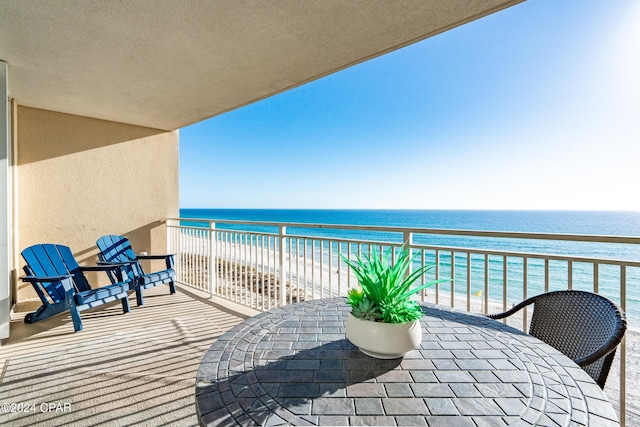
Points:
(534, 107)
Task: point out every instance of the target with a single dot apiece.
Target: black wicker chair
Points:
(585, 326)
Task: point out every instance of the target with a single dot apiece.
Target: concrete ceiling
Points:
(166, 64)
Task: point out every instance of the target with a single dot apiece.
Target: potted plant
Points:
(385, 321)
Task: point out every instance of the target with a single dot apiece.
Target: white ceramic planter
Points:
(383, 340)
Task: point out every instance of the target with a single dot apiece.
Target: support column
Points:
(5, 205)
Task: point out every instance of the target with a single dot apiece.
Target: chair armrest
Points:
(67, 285)
(103, 266)
(154, 256)
(34, 279)
(114, 264)
(116, 267)
(167, 257)
(610, 345)
(514, 309)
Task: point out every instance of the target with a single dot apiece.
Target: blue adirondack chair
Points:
(61, 285)
(117, 249)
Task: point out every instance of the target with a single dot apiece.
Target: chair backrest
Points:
(114, 248)
(54, 260)
(577, 324)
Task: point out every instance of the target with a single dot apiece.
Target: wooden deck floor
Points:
(137, 368)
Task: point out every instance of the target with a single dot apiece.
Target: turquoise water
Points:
(569, 222)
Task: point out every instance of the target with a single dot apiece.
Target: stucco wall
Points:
(80, 178)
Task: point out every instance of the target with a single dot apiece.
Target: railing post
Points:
(623, 350)
(168, 230)
(174, 241)
(407, 239)
(213, 258)
(283, 275)
(170, 246)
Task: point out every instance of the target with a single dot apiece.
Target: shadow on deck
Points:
(122, 369)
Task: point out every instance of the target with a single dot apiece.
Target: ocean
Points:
(605, 223)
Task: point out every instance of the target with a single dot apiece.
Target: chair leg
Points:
(125, 305)
(172, 287)
(46, 311)
(75, 317)
(139, 299)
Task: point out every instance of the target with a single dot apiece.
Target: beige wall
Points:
(80, 178)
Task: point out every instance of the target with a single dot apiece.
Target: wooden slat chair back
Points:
(61, 284)
(117, 249)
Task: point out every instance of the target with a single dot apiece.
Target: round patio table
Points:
(294, 366)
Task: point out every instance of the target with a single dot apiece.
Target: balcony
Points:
(265, 265)
(141, 367)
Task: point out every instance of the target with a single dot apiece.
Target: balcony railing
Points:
(267, 265)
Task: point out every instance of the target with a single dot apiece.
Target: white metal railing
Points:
(264, 266)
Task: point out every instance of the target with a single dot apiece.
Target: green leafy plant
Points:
(385, 290)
